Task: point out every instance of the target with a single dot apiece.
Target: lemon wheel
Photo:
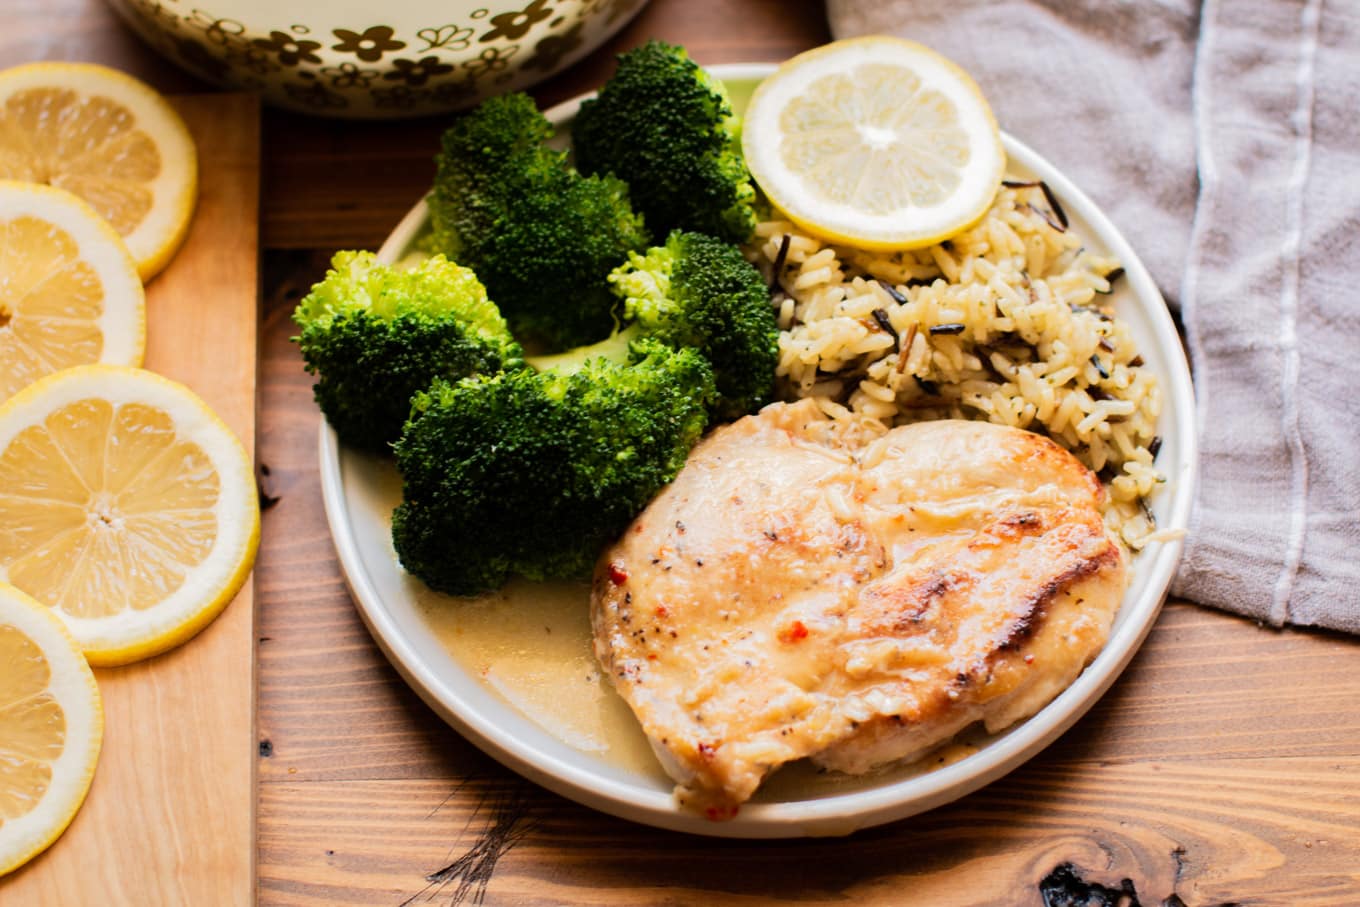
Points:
(51, 728)
(874, 142)
(126, 506)
(108, 138)
(69, 290)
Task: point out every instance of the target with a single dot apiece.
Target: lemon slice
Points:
(874, 142)
(126, 506)
(51, 727)
(69, 291)
(111, 140)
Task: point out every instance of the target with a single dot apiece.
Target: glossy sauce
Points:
(531, 644)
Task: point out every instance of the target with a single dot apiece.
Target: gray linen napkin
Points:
(1222, 139)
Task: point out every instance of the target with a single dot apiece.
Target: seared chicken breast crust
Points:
(808, 587)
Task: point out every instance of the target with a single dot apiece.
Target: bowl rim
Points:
(838, 813)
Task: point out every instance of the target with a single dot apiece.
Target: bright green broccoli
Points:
(540, 235)
(667, 129)
(533, 472)
(697, 291)
(374, 335)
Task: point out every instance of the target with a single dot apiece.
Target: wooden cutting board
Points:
(170, 818)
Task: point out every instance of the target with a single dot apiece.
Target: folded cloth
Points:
(1221, 139)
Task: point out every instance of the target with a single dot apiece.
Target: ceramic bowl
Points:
(358, 59)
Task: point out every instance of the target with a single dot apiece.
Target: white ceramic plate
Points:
(359, 492)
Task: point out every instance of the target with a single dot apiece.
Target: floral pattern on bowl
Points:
(380, 70)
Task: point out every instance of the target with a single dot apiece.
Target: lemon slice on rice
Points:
(126, 506)
(108, 138)
(875, 142)
(51, 728)
(69, 291)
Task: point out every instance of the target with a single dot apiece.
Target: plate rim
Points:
(839, 813)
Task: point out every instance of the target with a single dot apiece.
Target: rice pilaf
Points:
(1003, 322)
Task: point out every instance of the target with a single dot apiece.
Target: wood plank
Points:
(1211, 832)
(170, 817)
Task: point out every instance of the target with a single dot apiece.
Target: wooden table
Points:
(1223, 768)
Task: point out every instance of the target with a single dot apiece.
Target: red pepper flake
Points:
(661, 611)
(617, 574)
(793, 632)
(1029, 659)
(651, 656)
(706, 751)
(721, 813)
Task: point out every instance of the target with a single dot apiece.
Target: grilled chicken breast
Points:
(807, 587)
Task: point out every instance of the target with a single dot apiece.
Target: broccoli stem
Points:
(615, 348)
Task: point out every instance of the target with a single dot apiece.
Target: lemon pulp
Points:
(126, 506)
(107, 138)
(90, 146)
(32, 725)
(116, 508)
(51, 728)
(874, 142)
(909, 150)
(69, 290)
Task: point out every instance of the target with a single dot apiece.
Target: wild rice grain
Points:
(1002, 323)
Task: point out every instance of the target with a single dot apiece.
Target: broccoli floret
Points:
(533, 472)
(697, 291)
(663, 126)
(374, 335)
(540, 235)
(467, 200)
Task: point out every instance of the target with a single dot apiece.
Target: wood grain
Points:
(170, 817)
(1223, 767)
(1205, 832)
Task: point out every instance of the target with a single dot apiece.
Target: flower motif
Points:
(349, 75)
(400, 97)
(225, 32)
(493, 59)
(549, 52)
(449, 37)
(513, 26)
(253, 59)
(417, 72)
(315, 95)
(455, 93)
(290, 51)
(369, 46)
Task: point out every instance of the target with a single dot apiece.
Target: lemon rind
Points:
(124, 332)
(175, 189)
(844, 224)
(75, 688)
(133, 635)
